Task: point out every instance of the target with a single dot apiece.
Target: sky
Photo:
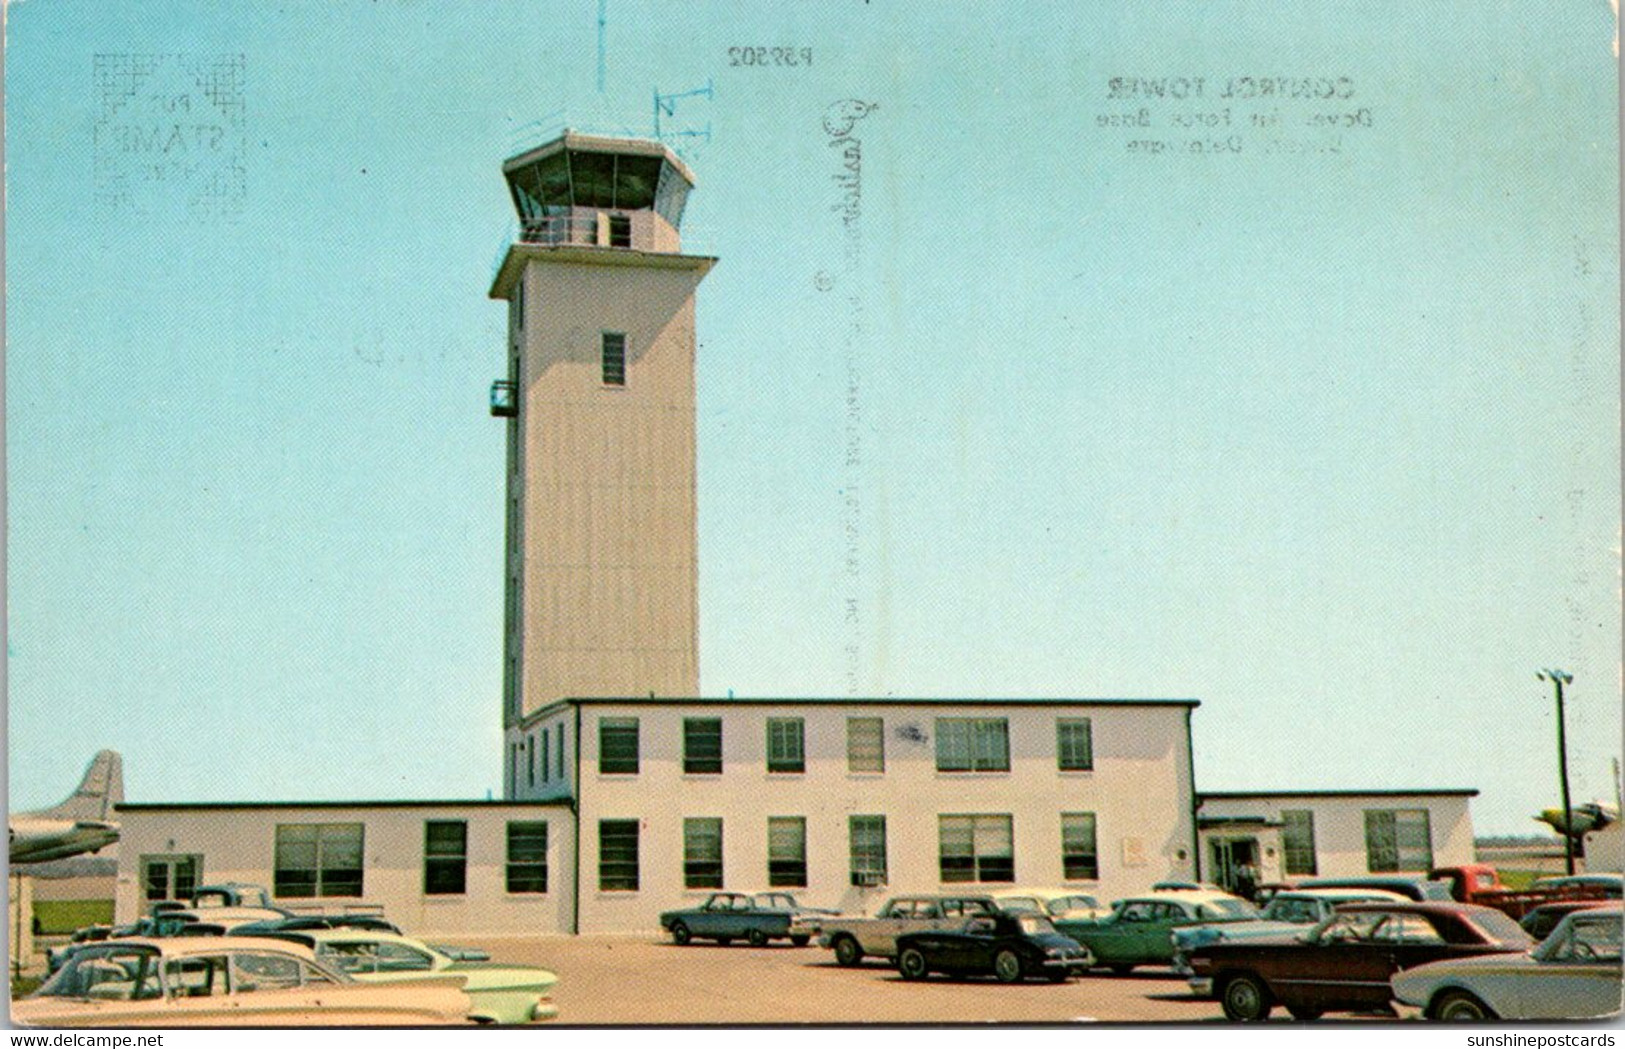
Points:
(1302, 401)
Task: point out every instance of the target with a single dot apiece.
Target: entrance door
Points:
(168, 878)
(1229, 856)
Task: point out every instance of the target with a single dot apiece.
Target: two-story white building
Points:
(624, 808)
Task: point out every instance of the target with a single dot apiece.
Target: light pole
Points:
(1560, 678)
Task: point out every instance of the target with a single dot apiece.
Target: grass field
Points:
(1520, 880)
(63, 916)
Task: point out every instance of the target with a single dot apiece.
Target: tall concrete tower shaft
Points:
(599, 400)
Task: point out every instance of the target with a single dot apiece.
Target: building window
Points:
(702, 853)
(618, 855)
(618, 746)
(1079, 859)
(865, 745)
(561, 752)
(614, 358)
(1298, 840)
(868, 838)
(702, 745)
(1074, 745)
(547, 751)
(318, 859)
(530, 760)
(976, 848)
(169, 877)
(1398, 840)
(973, 745)
(445, 857)
(787, 851)
(527, 857)
(620, 231)
(786, 750)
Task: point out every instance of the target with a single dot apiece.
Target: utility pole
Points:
(1560, 678)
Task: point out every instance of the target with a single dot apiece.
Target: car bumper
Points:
(1071, 965)
(1201, 986)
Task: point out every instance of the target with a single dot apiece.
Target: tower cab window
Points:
(620, 231)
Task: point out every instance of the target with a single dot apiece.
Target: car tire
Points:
(1120, 970)
(1245, 998)
(1460, 1007)
(800, 941)
(756, 938)
(724, 940)
(1059, 975)
(680, 934)
(1305, 1012)
(911, 963)
(1007, 967)
(847, 951)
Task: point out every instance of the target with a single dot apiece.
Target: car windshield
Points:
(1072, 904)
(1222, 908)
(1588, 940)
(1020, 905)
(109, 974)
(1034, 924)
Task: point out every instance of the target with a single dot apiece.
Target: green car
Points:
(1139, 931)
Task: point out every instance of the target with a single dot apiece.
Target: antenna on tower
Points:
(667, 104)
(603, 24)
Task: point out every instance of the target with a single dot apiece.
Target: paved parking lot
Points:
(620, 980)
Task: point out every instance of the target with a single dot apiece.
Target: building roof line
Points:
(813, 701)
(1385, 792)
(157, 806)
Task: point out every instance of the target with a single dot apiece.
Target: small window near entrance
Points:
(620, 231)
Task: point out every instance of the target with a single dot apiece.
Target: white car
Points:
(1573, 975)
(499, 993)
(225, 981)
(1054, 904)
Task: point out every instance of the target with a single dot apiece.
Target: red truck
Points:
(1479, 883)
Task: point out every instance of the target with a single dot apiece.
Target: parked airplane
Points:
(83, 823)
(1588, 816)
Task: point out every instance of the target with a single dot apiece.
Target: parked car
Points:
(1540, 922)
(1139, 929)
(225, 982)
(853, 938)
(165, 924)
(1055, 904)
(1006, 946)
(504, 994)
(728, 916)
(1479, 883)
(1574, 975)
(1610, 885)
(1412, 888)
(1345, 962)
(1288, 913)
(233, 894)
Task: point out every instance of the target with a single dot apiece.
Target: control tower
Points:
(599, 402)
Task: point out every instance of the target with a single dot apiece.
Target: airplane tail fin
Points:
(99, 791)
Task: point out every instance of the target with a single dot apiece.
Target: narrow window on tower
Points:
(620, 231)
(614, 358)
